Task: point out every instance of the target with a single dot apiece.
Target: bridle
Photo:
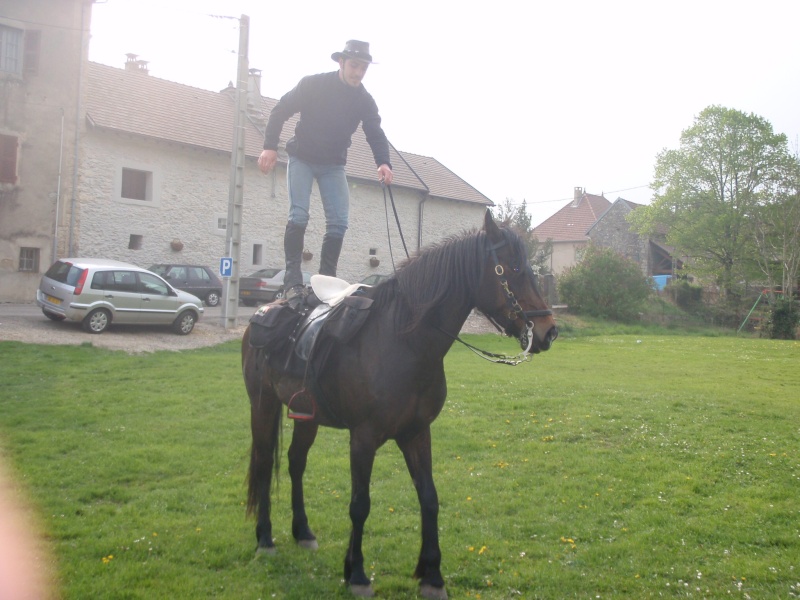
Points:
(515, 311)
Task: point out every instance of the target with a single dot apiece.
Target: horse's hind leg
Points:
(417, 452)
(302, 439)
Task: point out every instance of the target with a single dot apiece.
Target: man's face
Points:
(352, 71)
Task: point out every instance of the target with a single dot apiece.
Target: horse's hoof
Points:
(362, 591)
(308, 544)
(432, 593)
(266, 551)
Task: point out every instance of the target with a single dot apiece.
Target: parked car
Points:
(98, 292)
(198, 280)
(374, 279)
(264, 286)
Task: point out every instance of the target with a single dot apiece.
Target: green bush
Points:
(606, 285)
(688, 296)
(784, 319)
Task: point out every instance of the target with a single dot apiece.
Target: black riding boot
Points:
(293, 241)
(329, 257)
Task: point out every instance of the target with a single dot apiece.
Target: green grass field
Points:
(637, 466)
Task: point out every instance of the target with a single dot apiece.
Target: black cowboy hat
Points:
(354, 49)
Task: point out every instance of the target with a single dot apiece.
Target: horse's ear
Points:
(490, 227)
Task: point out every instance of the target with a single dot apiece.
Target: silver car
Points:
(97, 292)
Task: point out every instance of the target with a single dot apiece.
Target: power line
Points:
(565, 199)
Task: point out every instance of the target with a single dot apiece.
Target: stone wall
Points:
(190, 195)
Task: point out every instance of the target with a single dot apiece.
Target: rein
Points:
(515, 310)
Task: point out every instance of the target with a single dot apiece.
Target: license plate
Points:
(245, 293)
(53, 300)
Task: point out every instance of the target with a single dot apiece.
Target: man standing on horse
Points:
(331, 106)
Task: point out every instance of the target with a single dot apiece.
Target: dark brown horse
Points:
(388, 382)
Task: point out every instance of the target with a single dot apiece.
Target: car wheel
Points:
(96, 321)
(279, 294)
(53, 316)
(184, 324)
(213, 298)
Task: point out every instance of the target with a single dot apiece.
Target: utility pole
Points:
(233, 229)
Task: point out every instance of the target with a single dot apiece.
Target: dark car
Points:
(198, 280)
(264, 286)
(374, 279)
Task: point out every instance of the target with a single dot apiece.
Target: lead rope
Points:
(397, 220)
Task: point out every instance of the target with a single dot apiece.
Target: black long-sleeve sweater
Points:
(330, 112)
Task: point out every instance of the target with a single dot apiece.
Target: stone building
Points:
(43, 56)
(152, 178)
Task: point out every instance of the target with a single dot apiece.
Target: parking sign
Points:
(225, 266)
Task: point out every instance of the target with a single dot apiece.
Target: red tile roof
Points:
(138, 104)
(571, 223)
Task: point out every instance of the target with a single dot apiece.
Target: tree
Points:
(776, 230)
(708, 191)
(604, 284)
(518, 218)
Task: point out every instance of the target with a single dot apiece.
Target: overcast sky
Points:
(523, 100)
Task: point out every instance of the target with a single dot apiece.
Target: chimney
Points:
(254, 95)
(134, 64)
(577, 194)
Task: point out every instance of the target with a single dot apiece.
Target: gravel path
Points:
(26, 323)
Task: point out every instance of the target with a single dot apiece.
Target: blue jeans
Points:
(333, 189)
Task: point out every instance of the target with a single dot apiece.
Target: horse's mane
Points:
(447, 271)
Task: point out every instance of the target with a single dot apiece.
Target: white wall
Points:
(190, 192)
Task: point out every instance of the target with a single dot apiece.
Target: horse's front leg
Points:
(302, 439)
(417, 452)
(362, 457)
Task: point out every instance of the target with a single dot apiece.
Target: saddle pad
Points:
(332, 290)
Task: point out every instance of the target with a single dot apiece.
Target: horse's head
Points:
(509, 293)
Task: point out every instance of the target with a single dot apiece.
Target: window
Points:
(8, 158)
(29, 260)
(257, 254)
(222, 223)
(136, 185)
(199, 274)
(10, 50)
(150, 284)
(135, 242)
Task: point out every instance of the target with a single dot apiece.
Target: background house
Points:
(151, 182)
(567, 228)
(589, 218)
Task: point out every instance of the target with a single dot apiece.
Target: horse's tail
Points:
(253, 482)
(255, 364)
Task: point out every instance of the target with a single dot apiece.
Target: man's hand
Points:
(267, 160)
(384, 173)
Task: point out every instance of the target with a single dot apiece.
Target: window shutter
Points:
(8, 159)
(30, 61)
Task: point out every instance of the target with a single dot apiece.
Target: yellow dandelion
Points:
(391, 510)
(482, 550)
